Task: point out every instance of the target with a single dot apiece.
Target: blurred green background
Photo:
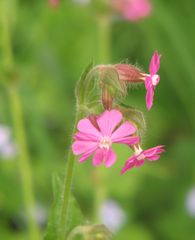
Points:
(51, 47)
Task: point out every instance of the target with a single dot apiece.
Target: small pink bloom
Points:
(54, 3)
(99, 139)
(137, 160)
(152, 79)
(133, 10)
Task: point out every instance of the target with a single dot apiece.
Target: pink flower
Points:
(137, 160)
(98, 138)
(152, 79)
(133, 10)
(54, 3)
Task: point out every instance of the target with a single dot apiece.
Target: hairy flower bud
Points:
(93, 119)
(107, 99)
(129, 73)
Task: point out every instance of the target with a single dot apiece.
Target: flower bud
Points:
(93, 119)
(129, 73)
(107, 99)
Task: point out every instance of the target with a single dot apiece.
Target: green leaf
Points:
(76, 217)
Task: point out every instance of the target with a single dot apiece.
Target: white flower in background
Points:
(7, 147)
(112, 215)
(82, 2)
(4, 135)
(190, 202)
(9, 151)
(40, 215)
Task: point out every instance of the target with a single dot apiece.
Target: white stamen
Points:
(138, 150)
(105, 142)
(155, 79)
(140, 157)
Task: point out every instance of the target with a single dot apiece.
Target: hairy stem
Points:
(67, 187)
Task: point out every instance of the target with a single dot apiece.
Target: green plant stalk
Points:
(24, 162)
(104, 32)
(67, 186)
(16, 109)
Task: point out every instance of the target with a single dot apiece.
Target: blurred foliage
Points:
(51, 48)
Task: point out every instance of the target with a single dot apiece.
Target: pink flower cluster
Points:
(97, 140)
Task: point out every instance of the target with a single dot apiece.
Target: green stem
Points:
(100, 192)
(104, 32)
(67, 187)
(24, 162)
(16, 109)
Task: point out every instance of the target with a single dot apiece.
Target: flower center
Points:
(155, 79)
(139, 153)
(105, 142)
(140, 157)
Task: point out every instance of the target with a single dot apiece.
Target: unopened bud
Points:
(107, 99)
(129, 73)
(93, 119)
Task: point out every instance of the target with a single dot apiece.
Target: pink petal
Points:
(84, 137)
(154, 63)
(148, 82)
(108, 121)
(79, 147)
(155, 150)
(98, 158)
(139, 163)
(124, 130)
(136, 10)
(149, 97)
(130, 163)
(86, 127)
(87, 154)
(110, 158)
(153, 158)
(128, 140)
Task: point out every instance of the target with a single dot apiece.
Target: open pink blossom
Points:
(99, 139)
(137, 160)
(133, 10)
(152, 79)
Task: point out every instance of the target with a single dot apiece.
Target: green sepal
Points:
(89, 88)
(91, 232)
(109, 78)
(133, 115)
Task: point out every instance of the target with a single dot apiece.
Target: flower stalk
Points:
(67, 186)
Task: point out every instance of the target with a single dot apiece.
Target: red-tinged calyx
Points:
(129, 73)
